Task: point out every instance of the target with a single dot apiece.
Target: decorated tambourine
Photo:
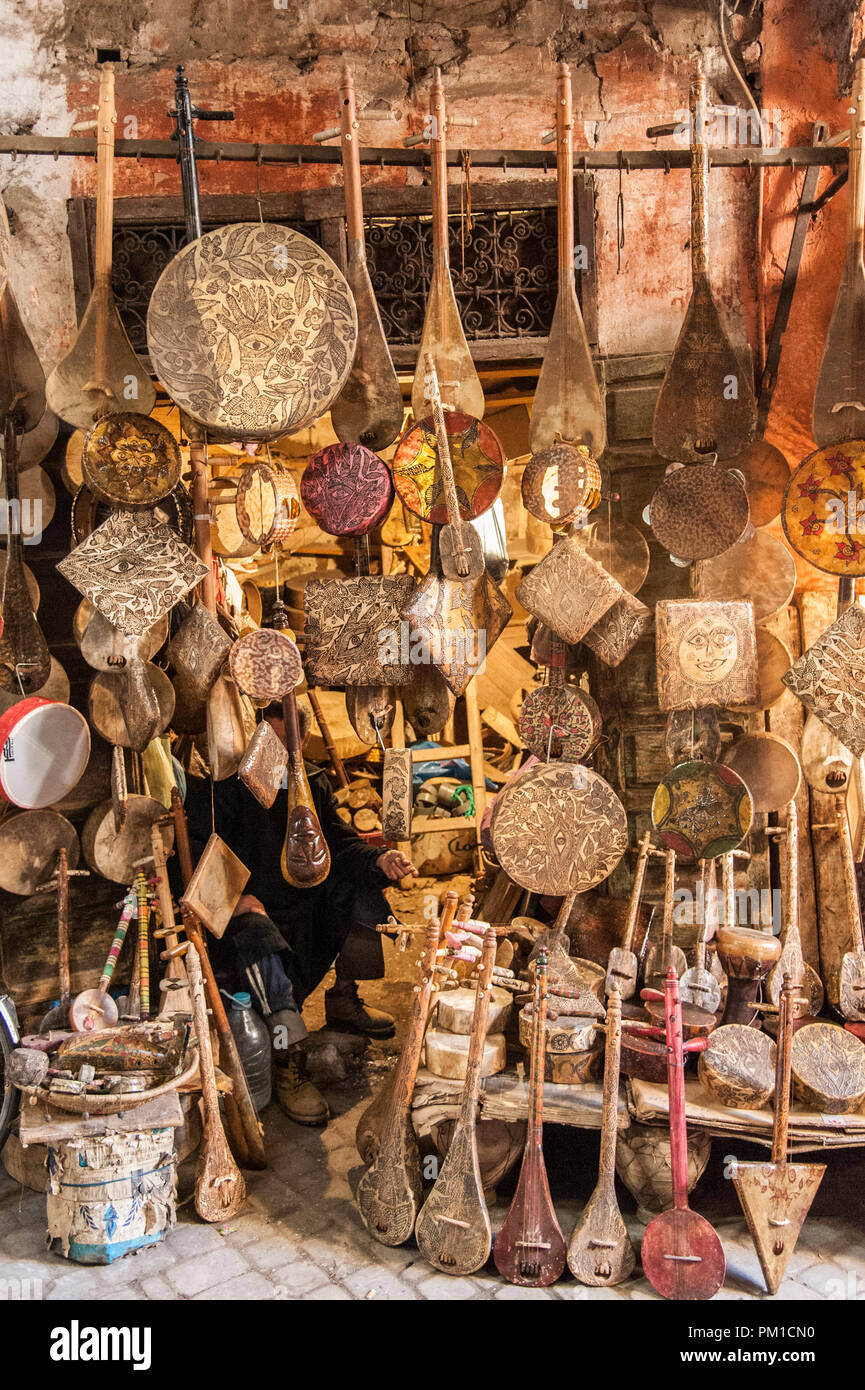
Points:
(478, 463)
(347, 489)
(701, 810)
(699, 510)
(820, 511)
(130, 460)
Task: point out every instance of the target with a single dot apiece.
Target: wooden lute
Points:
(25, 662)
(305, 859)
(623, 965)
(696, 413)
(681, 1254)
(453, 1229)
(219, 1187)
(530, 1247)
(851, 981)
(600, 1252)
(101, 372)
(389, 1193)
(368, 1134)
(776, 1197)
(460, 550)
(368, 410)
(839, 397)
(567, 399)
(443, 334)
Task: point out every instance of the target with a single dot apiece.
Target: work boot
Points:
(345, 1011)
(295, 1094)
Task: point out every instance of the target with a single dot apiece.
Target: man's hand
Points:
(248, 903)
(395, 864)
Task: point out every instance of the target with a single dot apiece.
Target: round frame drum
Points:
(347, 489)
(267, 504)
(478, 460)
(45, 747)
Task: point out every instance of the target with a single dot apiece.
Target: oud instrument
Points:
(600, 1252)
(776, 1197)
(530, 1247)
(367, 1136)
(453, 1229)
(443, 334)
(681, 1254)
(389, 1193)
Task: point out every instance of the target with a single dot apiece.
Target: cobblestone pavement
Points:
(300, 1236)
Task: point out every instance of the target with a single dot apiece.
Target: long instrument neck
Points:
(536, 1074)
(361, 556)
(188, 165)
(349, 128)
(699, 179)
(443, 451)
(610, 1113)
(792, 885)
(14, 542)
(851, 890)
(636, 892)
(669, 900)
(439, 173)
(472, 1087)
(676, 1087)
(565, 174)
(856, 168)
(783, 1068)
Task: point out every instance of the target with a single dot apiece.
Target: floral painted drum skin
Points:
(701, 810)
(347, 489)
(478, 462)
(821, 509)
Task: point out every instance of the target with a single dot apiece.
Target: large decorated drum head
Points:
(701, 810)
(820, 512)
(478, 462)
(252, 330)
(558, 829)
(347, 489)
(699, 511)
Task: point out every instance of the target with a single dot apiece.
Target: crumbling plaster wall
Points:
(277, 63)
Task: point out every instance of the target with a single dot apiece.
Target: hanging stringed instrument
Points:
(460, 551)
(839, 397)
(25, 662)
(530, 1247)
(453, 1229)
(776, 1197)
(368, 410)
(681, 1254)
(706, 403)
(101, 373)
(600, 1252)
(792, 961)
(389, 1193)
(22, 380)
(443, 334)
(371, 1125)
(567, 398)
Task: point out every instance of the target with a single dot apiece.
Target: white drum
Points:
(45, 747)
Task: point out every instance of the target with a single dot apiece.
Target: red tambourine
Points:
(347, 489)
(45, 747)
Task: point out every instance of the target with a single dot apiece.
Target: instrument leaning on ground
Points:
(220, 1190)
(368, 409)
(442, 333)
(530, 1248)
(682, 1256)
(698, 985)
(453, 1229)
(567, 399)
(600, 1252)
(776, 1197)
(623, 964)
(101, 373)
(839, 397)
(389, 1193)
(706, 403)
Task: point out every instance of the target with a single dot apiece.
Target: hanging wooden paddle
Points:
(776, 1197)
(681, 1254)
(389, 1193)
(25, 662)
(22, 380)
(792, 961)
(453, 1229)
(368, 410)
(460, 550)
(443, 334)
(706, 403)
(600, 1252)
(530, 1248)
(376, 1118)
(567, 399)
(839, 397)
(101, 372)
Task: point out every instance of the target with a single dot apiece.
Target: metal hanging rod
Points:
(240, 152)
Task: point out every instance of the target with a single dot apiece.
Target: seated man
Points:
(282, 940)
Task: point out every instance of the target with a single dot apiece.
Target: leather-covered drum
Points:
(268, 504)
(45, 747)
(478, 460)
(130, 460)
(347, 489)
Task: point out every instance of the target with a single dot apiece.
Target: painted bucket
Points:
(112, 1195)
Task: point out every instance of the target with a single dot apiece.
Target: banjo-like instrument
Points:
(101, 372)
(368, 410)
(530, 1248)
(697, 413)
(567, 399)
(443, 334)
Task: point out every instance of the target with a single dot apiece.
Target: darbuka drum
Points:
(747, 957)
(45, 748)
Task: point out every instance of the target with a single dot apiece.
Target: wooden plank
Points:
(43, 1125)
(587, 280)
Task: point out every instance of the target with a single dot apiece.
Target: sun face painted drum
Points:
(45, 747)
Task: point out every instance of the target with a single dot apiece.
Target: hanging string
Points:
(465, 206)
(620, 220)
(258, 182)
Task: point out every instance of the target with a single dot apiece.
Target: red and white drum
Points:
(45, 747)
